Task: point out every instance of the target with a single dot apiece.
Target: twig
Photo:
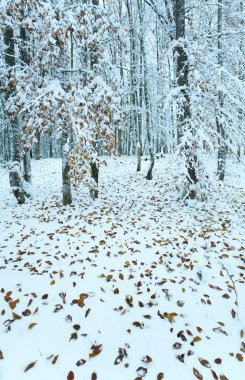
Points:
(233, 282)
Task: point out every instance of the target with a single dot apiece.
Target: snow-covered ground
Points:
(130, 286)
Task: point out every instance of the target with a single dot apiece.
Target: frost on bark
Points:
(184, 114)
(15, 179)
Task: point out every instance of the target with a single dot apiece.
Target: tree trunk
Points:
(146, 93)
(15, 171)
(95, 175)
(182, 71)
(66, 182)
(27, 167)
(220, 127)
(25, 60)
(38, 146)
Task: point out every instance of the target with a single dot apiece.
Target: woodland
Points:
(122, 189)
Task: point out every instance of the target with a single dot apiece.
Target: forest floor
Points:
(135, 285)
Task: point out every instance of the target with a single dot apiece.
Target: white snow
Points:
(136, 253)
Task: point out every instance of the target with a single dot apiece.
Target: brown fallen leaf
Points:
(16, 316)
(70, 376)
(177, 346)
(204, 362)
(196, 339)
(26, 313)
(30, 366)
(1, 355)
(94, 376)
(214, 375)
(147, 359)
(218, 361)
(87, 313)
(55, 359)
(197, 374)
(81, 362)
(239, 357)
(31, 325)
(129, 300)
(160, 376)
(96, 350)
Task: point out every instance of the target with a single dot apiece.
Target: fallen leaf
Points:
(96, 350)
(160, 376)
(30, 366)
(81, 362)
(70, 376)
(197, 374)
(55, 359)
(16, 316)
(218, 361)
(204, 362)
(239, 357)
(31, 325)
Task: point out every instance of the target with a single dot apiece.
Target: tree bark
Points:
(220, 127)
(184, 114)
(38, 146)
(15, 171)
(25, 60)
(66, 182)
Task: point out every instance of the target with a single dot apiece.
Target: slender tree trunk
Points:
(25, 60)
(51, 144)
(182, 71)
(66, 182)
(146, 93)
(220, 127)
(94, 165)
(15, 171)
(38, 145)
